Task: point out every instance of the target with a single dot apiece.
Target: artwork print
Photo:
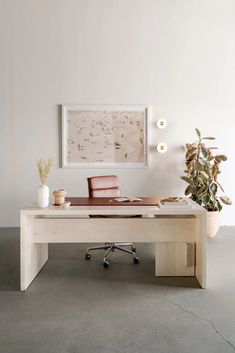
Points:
(105, 136)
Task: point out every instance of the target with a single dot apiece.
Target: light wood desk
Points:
(177, 233)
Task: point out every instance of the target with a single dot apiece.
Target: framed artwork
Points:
(104, 136)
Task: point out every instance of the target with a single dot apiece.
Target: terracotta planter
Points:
(213, 223)
(59, 197)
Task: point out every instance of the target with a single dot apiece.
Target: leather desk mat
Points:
(109, 201)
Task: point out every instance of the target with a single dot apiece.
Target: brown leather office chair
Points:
(108, 186)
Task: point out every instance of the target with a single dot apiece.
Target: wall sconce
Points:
(161, 123)
(161, 147)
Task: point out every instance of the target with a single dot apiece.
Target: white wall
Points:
(176, 55)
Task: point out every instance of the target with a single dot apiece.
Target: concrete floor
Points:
(76, 306)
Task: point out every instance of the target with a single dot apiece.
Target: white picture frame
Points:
(89, 130)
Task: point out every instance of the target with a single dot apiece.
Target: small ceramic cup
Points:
(66, 204)
(59, 197)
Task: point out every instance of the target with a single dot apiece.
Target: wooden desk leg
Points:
(174, 259)
(171, 257)
(200, 270)
(32, 256)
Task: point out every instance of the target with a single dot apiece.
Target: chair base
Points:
(112, 247)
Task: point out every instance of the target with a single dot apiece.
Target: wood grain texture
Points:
(114, 230)
(170, 229)
(33, 256)
(174, 259)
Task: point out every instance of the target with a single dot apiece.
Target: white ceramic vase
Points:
(43, 196)
(213, 223)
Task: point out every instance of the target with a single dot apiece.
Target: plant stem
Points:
(197, 163)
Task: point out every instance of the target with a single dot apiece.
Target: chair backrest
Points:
(103, 186)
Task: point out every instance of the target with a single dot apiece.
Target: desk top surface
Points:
(148, 207)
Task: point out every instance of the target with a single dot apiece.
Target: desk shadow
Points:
(144, 273)
(123, 270)
(189, 282)
(9, 259)
(69, 261)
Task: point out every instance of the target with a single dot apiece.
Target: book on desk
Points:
(174, 203)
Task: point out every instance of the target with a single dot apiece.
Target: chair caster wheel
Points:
(136, 260)
(134, 249)
(88, 256)
(106, 264)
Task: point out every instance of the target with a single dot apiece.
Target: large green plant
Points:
(202, 170)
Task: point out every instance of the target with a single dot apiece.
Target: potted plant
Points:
(202, 170)
(44, 169)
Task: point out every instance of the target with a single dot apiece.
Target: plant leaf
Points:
(202, 161)
(201, 191)
(208, 138)
(204, 175)
(188, 190)
(214, 170)
(204, 152)
(226, 200)
(219, 205)
(191, 157)
(190, 165)
(188, 180)
(222, 157)
(191, 149)
(220, 186)
(218, 159)
(206, 199)
(213, 188)
(198, 133)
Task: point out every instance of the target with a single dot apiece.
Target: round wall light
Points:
(162, 147)
(161, 123)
